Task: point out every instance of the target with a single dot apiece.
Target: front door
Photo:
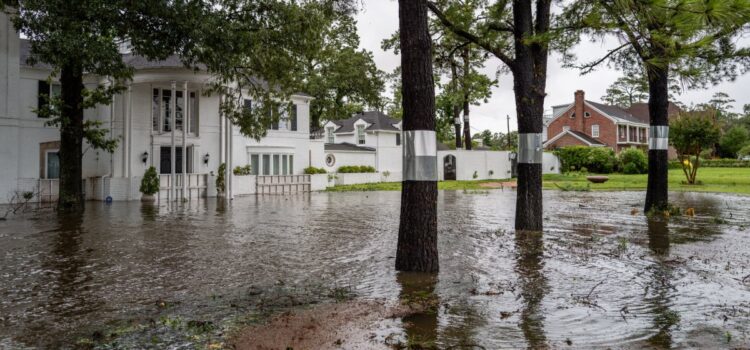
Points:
(449, 167)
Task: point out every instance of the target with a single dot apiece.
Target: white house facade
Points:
(163, 119)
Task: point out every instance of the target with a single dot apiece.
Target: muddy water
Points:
(598, 277)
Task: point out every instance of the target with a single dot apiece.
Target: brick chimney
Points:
(580, 97)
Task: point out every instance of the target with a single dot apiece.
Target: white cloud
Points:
(378, 20)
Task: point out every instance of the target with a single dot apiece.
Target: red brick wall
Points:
(607, 128)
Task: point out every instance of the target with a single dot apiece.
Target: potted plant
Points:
(149, 185)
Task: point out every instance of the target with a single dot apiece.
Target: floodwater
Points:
(598, 277)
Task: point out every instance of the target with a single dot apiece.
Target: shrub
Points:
(633, 161)
(220, 180)
(594, 159)
(311, 170)
(744, 151)
(150, 182)
(630, 169)
(242, 170)
(356, 169)
(733, 140)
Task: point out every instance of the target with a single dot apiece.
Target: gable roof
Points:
(615, 113)
(579, 135)
(639, 110)
(345, 146)
(378, 122)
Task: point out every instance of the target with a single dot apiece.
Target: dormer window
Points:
(329, 134)
(361, 134)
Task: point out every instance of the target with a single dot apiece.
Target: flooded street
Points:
(599, 276)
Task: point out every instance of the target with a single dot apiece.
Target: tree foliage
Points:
(691, 40)
(691, 134)
(733, 140)
(341, 78)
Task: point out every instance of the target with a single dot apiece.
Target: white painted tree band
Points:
(530, 149)
(456, 120)
(658, 137)
(420, 155)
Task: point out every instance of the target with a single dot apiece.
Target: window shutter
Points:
(43, 94)
(294, 117)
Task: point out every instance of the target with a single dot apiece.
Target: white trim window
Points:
(51, 164)
(161, 105)
(45, 92)
(595, 130)
(361, 134)
(271, 164)
(329, 135)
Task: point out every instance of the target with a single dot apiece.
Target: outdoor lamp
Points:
(144, 157)
(206, 158)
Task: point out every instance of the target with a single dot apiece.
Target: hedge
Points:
(599, 160)
(311, 170)
(633, 161)
(715, 163)
(356, 169)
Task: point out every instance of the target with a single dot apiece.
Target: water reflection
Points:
(149, 211)
(529, 266)
(660, 287)
(418, 291)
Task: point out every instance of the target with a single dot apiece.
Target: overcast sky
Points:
(379, 20)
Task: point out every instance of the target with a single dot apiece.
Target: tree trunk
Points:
(529, 83)
(456, 107)
(657, 190)
(417, 235)
(465, 88)
(456, 116)
(71, 140)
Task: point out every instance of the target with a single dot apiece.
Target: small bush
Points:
(311, 170)
(633, 161)
(150, 182)
(242, 170)
(630, 169)
(744, 151)
(356, 169)
(600, 160)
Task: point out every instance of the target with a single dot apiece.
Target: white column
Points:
(185, 121)
(230, 158)
(221, 133)
(173, 119)
(129, 107)
(627, 133)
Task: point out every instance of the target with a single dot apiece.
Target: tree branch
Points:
(469, 36)
(588, 67)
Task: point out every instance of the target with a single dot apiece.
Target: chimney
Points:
(578, 109)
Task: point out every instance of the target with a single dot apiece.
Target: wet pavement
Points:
(598, 277)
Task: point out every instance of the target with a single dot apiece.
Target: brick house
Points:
(593, 124)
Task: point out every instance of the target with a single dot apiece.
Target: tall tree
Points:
(692, 40)
(417, 234)
(519, 33)
(626, 90)
(341, 78)
(84, 38)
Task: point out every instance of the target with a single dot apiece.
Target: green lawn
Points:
(396, 186)
(731, 180)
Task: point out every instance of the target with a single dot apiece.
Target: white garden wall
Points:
(481, 162)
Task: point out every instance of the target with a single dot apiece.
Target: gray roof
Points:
(377, 120)
(616, 112)
(588, 138)
(345, 146)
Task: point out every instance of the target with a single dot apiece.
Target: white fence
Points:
(195, 186)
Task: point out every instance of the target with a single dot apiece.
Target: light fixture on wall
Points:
(144, 157)
(206, 158)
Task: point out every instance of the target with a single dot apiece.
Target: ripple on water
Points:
(599, 276)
